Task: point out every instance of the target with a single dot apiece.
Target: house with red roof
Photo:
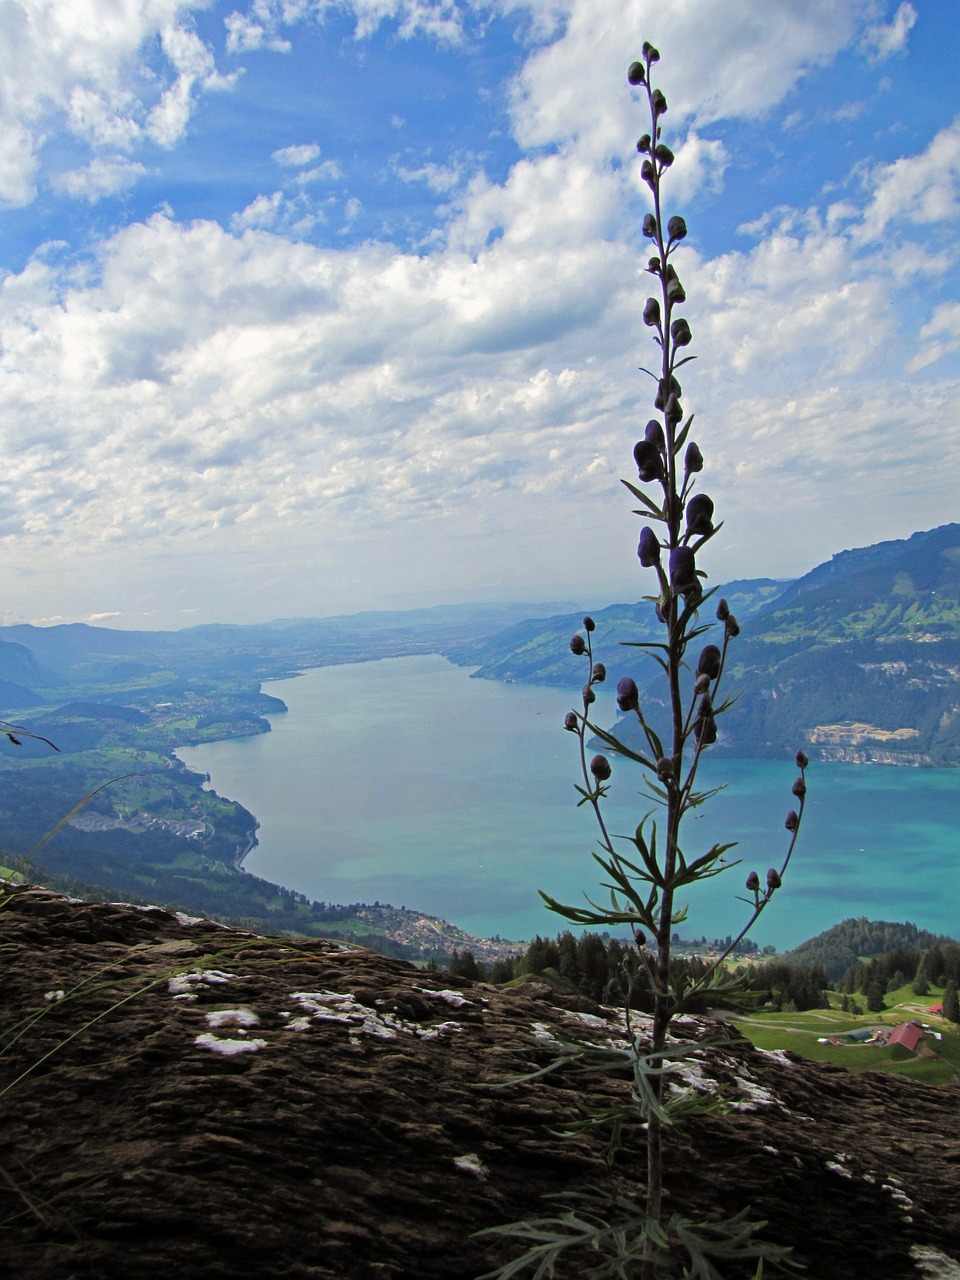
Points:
(909, 1034)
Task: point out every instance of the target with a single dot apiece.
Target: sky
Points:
(309, 308)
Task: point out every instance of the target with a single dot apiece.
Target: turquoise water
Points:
(405, 781)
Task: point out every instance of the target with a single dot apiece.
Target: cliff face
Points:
(216, 1104)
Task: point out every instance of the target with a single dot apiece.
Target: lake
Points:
(407, 782)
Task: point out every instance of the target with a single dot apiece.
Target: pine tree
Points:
(951, 1006)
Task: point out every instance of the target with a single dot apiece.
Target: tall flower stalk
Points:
(649, 873)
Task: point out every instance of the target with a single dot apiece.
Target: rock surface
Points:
(184, 1100)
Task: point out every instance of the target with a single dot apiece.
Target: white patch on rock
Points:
(933, 1264)
(779, 1054)
(228, 1047)
(189, 920)
(450, 997)
(543, 1032)
(472, 1164)
(757, 1096)
(589, 1020)
(181, 985)
(53, 996)
(898, 1194)
(333, 1006)
(442, 1029)
(242, 1017)
(835, 1167)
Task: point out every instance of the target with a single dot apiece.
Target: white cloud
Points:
(921, 189)
(439, 178)
(944, 327)
(246, 35)
(103, 176)
(115, 78)
(882, 40)
(329, 171)
(262, 212)
(270, 407)
(297, 156)
(739, 66)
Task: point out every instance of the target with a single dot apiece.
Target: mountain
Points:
(858, 660)
(537, 650)
(76, 657)
(186, 1100)
(840, 947)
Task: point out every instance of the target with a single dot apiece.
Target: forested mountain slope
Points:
(858, 660)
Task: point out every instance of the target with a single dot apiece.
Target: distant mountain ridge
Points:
(858, 660)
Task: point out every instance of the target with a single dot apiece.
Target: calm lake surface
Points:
(407, 782)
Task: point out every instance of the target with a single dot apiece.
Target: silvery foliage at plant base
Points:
(647, 873)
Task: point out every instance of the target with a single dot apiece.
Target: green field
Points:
(937, 1062)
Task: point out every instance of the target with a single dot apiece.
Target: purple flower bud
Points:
(658, 102)
(653, 433)
(653, 266)
(773, 880)
(683, 571)
(588, 695)
(589, 624)
(664, 155)
(680, 333)
(578, 645)
(706, 731)
(599, 673)
(665, 771)
(636, 73)
(699, 515)
(651, 312)
(570, 721)
(723, 611)
(702, 683)
(665, 389)
(673, 411)
(676, 228)
(649, 227)
(753, 882)
(799, 788)
(732, 627)
(600, 768)
(802, 760)
(647, 172)
(648, 460)
(643, 144)
(692, 459)
(649, 548)
(628, 696)
(649, 52)
(709, 663)
(792, 822)
(675, 290)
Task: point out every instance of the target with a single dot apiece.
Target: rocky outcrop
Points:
(181, 1100)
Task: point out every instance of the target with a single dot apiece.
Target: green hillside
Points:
(859, 660)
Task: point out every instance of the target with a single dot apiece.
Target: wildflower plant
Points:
(649, 873)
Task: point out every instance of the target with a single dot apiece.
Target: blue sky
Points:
(307, 308)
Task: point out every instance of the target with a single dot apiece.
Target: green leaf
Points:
(652, 508)
(616, 745)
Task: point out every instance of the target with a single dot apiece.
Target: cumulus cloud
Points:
(921, 189)
(115, 83)
(260, 402)
(882, 40)
(103, 176)
(297, 156)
